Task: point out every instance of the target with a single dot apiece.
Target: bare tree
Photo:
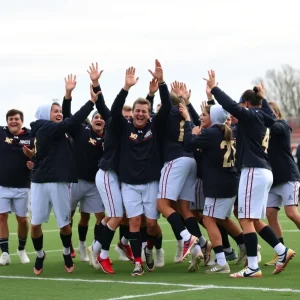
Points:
(283, 86)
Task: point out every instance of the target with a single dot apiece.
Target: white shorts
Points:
(86, 194)
(178, 179)
(219, 208)
(285, 193)
(199, 196)
(254, 187)
(44, 196)
(140, 199)
(14, 200)
(109, 188)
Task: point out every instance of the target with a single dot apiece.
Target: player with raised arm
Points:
(285, 188)
(16, 142)
(52, 175)
(256, 176)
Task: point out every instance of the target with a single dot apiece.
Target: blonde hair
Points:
(127, 108)
(276, 109)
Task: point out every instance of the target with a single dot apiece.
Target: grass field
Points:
(171, 282)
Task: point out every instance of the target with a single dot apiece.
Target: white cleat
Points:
(23, 257)
(179, 254)
(121, 253)
(93, 258)
(160, 258)
(143, 256)
(212, 261)
(258, 253)
(197, 256)
(83, 254)
(5, 259)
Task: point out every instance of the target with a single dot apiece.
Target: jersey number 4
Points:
(265, 141)
(229, 157)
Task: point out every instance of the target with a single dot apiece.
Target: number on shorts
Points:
(229, 157)
(265, 141)
(181, 131)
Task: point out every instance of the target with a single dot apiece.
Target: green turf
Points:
(172, 281)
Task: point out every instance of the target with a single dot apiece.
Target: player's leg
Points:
(123, 238)
(60, 198)
(20, 205)
(83, 226)
(40, 211)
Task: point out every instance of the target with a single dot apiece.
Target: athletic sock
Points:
(225, 239)
(22, 243)
(4, 245)
(220, 255)
(38, 246)
(193, 227)
(108, 235)
(136, 245)
(281, 240)
(66, 241)
(158, 242)
(82, 232)
(177, 224)
(251, 249)
(269, 236)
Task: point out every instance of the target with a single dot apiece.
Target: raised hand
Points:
(185, 93)
(196, 130)
(175, 88)
(153, 87)
(203, 105)
(211, 81)
(184, 112)
(28, 152)
(158, 73)
(94, 97)
(30, 165)
(261, 90)
(130, 79)
(95, 74)
(70, 84)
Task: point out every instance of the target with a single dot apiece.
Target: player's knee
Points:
(271, 214)
(135, 223)
(84, 218)
(292, 213)
(152, 228)
(100, 216)
(22, 220)
(3, 217)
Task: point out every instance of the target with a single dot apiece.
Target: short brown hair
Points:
(13, 112)
(277, 110)
(127, 108)
(142, 101)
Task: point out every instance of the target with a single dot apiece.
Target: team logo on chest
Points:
(8, 140)
(24, 142)
(133, 136)
(148, 135)
(92, 141)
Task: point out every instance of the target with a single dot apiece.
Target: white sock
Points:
(103, 222)
(202, 241)
(180, 243)
(280, 249)
(144, 244)
(185, 235)
(252, 262)
(104, 254)
(82, 244)
(228, 250)
(66, 251)
(124, 241)
(148, 251)
(196, 249)
(221, 260)
(96, 247)
(40, 253)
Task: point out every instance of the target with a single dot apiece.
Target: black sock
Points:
(4, 245)
(218, 249)
(201, 223)
(66, 240)
(239, 239)
(158, 242)
(82, 232)
(125, 232)
(98, 232)
(269, 236)
(144, 234)
(22, 243)
(38, 243)
(225, 239)
(108, 236)
(251, 244)
(151, 241)
(176, 223)
(281, 240)
(136, 244)
(193, 227)
(121, 232)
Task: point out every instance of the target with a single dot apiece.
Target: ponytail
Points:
(227, 132)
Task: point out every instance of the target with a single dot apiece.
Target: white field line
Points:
(188, 286)
(155, 294)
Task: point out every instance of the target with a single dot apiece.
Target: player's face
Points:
(127, 114)
(140, 115)
(274, 112)
(98, 123)
(205, 120)
(56, 114)
(14, 124)
(228, 121)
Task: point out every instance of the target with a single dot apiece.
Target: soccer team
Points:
(129, 165)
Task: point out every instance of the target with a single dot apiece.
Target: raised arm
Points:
(70, 83)
(260, 90)
(153, 87)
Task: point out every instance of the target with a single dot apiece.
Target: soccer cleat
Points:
(93, 258)
(39, 264)
(149, 259)
(125, 250)
(23, 257)
(73, 253)
(219, 269)
(273, 261)
(138, 270)
(105, 265)
(212, 262)
(283, 260)
(83, 254)
(230, 256)
(160, 258)
(197, 256)
(247, 272)
(69, 265)
(206, 250)
(179, 254)
(242, 255)
(258, 253)
(122, 255)
(5, 259)
(188, 246)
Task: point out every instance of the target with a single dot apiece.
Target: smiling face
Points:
(205, 119)
(56, 113)
(98, 124)
(141, 115)
(15, 124)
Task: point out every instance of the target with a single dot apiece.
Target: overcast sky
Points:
(42, 41)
